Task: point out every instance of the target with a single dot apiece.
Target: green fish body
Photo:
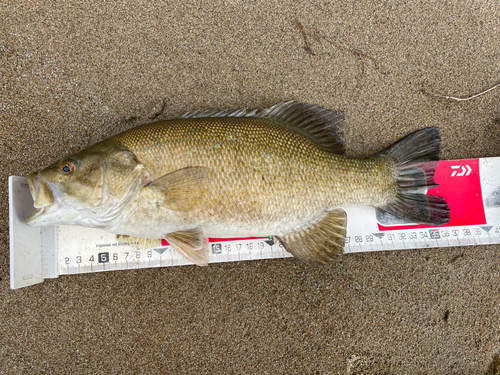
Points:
(280, 173)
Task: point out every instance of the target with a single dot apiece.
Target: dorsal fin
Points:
(322, 126)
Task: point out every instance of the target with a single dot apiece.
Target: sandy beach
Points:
(74, 73)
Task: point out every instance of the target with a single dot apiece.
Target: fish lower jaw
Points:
(31, 219)
(52, 215)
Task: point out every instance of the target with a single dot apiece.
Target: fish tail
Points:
(415, 157)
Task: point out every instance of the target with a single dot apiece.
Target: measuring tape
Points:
(471, 188)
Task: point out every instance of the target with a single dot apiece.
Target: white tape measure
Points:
(471, 187)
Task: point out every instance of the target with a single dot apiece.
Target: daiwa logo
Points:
(461, 170)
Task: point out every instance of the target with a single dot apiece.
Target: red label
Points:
(459, 183)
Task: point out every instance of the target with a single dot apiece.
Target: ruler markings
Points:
(249, 250)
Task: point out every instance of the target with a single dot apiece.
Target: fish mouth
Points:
(43, 198)
(31, 220)
(48, 211)
(34, 184)
(40, 191)
(53, 214)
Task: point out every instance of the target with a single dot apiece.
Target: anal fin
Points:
(321, 242)
(191, 245)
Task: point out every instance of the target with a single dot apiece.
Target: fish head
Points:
(85, 186)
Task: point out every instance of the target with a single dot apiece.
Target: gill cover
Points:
(123, 171)
(83, 188)
(101, 178)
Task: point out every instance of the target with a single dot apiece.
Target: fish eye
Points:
(67, 167)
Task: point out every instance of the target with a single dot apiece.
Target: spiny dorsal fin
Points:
(216, 113)
(191, 245)
(320, 243)
(322, 126)
(183, 189)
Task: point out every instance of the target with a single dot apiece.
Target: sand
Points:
(76, 72)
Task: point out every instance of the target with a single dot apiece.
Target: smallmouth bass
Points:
(279, 172)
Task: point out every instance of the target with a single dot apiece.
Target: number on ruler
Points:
(103, 257)
(434, 234)
(216, 248)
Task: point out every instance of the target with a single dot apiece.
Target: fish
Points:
(280, 173)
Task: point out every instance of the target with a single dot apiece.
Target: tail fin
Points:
(414, 176)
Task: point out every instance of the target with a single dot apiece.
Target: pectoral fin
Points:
(191, 245)
(320, 243)
(183, 189)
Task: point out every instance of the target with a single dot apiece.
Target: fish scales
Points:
(264, 177)
(280, 172)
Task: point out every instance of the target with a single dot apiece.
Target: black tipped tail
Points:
(415, 175)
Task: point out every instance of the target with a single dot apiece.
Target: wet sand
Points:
(74, 73)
